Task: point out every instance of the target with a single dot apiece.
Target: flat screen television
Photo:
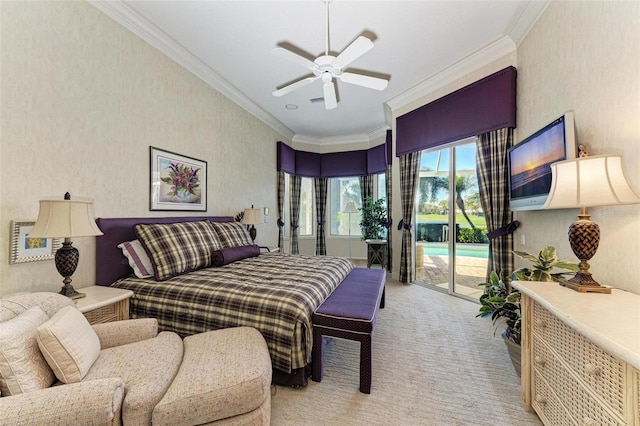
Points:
(530, 162)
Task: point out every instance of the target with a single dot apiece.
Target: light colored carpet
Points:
(434, 363)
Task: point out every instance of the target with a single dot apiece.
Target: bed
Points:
(275, 293)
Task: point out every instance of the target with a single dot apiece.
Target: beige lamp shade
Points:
(252, 217)
(588, 182)
(350, 208)
(65, 219)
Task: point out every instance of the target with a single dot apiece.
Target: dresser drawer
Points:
(547, 404)
(601, 372)
(578, 401)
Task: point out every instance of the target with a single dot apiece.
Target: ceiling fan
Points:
(327, 67)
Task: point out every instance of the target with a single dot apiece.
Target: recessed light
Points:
(291, 106)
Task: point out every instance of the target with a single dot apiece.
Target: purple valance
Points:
(486, 105)
(308, 164)
(333, 164)
(343, 164)
(377, 160)
(388, 142)
(286, 158)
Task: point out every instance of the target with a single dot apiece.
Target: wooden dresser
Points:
(580, 355)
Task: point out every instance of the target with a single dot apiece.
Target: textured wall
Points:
(82, 100)
(584, 56)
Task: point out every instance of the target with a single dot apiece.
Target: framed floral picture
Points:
(25, 249)
(178, 182)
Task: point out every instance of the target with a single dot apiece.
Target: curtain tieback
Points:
(294, 225)
(321, 223)
(389, 223)
(280, 223)
(507, 229)
(402, 225)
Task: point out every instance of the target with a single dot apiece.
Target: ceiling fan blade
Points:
(294, 57)
(359, 47)
(293, 86)
(329, 90)
(364, 80)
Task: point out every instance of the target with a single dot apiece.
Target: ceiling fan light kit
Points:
(327, 67)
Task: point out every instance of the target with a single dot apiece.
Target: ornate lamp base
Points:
(66, 259)
(584, 237)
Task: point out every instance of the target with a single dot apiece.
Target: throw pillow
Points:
(177, 248)
(69, 344)
(22, 366)
(232, 254)
(138, 258)
(232, 234)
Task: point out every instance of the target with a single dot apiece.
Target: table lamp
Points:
(66, 219)
(581, 183)
(252, 217)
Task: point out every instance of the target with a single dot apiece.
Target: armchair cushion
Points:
(147, 369)
(95, 402)
(22, 366)
(119, 333)
(69, 344)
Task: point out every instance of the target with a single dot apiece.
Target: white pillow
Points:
(69, 344)
(22, 366)
(138, 258)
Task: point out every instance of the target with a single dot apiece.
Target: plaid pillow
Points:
(177, 248)
(232, 234)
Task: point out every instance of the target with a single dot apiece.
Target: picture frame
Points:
(178, 182)
(24, 249)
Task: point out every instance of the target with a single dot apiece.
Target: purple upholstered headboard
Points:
(111, 265)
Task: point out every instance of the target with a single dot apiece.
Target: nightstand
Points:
(104, 304)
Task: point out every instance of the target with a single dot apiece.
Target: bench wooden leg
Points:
(365, 364)
(316, 356)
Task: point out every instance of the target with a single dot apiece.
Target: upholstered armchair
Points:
(57, 369)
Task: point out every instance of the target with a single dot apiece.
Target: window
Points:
(382, 187)
(306, 223)
(343, 191)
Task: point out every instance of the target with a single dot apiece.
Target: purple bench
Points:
(350, 313)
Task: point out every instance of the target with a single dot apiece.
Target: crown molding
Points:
(131, 20)
(478, 59)
(360, 138)
(525, 19)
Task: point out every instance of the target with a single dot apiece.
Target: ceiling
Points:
(417, 44)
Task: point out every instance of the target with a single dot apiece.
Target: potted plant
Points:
(542, 265)
(374, 219)
(502, 303)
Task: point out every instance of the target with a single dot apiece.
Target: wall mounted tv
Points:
(530, 162)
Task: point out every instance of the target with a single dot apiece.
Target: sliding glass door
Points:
(451, 242)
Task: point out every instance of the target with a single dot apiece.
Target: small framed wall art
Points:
(24, 249)
(178, 182)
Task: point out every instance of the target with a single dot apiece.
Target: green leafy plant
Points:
(503, 305)
(374, 219)
(546, 261)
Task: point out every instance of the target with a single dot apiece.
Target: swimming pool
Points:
(480, 251)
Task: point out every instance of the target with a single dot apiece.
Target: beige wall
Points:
(584, 56)
(82, 100)
(580, 56)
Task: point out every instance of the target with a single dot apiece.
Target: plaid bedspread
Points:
(275, 293)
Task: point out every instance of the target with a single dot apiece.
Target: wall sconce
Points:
(66, 219)
(581, 183)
